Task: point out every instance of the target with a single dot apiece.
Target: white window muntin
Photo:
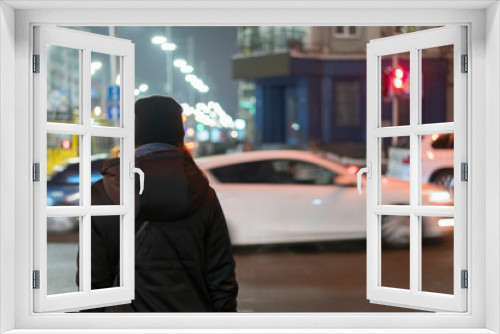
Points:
(85, 43)
(414, 43)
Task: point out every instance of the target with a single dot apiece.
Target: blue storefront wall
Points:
(273, 117)
(311, 86)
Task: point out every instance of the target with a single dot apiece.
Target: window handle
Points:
(141, 176)
(368, 171)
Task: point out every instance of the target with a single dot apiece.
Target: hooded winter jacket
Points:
(183, 259)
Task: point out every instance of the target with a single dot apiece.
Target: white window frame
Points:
(415, 43)
(85, 44)
(483, 246)
(346, 34)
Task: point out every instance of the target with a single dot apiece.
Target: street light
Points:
(143, 88)
(191, 77)
(159, 40)
(179, 62)
(203, 89)
(168, 46)
(187, 69)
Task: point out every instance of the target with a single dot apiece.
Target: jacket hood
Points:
(173, 186)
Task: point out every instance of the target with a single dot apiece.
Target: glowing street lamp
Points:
(143, 88)
(168, 46)
(159, 40)
(187, 69)
(179, 62)
(190, 77)
(203, 89)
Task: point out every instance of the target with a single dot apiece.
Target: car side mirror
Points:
(345, 180)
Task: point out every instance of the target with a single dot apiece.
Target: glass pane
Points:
(437, 84)
(63, 170)
(106, 163)
(437, 254)
(105, 91)
(395, 162)
(62, 250)
(395, 89)
(105, 252)
(395, 239)
(437, 169)
(63, 84)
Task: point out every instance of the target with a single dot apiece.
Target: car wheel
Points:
(445, 178)
(396, 231)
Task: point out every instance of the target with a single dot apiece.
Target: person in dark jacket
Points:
(183, 260)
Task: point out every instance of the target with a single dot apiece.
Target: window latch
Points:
(136, 170)
(368, 171)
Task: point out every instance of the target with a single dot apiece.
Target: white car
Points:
(437, 159)
(297, 196)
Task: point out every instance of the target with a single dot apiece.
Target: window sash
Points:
(85, 297)
(414, 298)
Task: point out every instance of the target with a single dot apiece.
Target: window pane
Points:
(340, 30)
(63, 170)
(63, 84)
(105, 252)
(437, 84)
(437, 169)
(62, 249)
(437, 254)
(347, 103)
(395, 240)
(395, 89)
(105, 91)
(395, 165)
(106, 164)
(352, 30)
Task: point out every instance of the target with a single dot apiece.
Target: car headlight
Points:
(440, 197)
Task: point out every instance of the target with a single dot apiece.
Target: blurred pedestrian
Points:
(183, 259)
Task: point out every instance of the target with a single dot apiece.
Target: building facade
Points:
(309, 83)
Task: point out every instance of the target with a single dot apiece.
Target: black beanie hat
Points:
(158, 119)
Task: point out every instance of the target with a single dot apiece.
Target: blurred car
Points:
(63, 188)
(437, 159)
(296, 196)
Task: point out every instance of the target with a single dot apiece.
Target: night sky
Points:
(213, 49)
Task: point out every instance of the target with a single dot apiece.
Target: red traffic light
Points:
(397, 78)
